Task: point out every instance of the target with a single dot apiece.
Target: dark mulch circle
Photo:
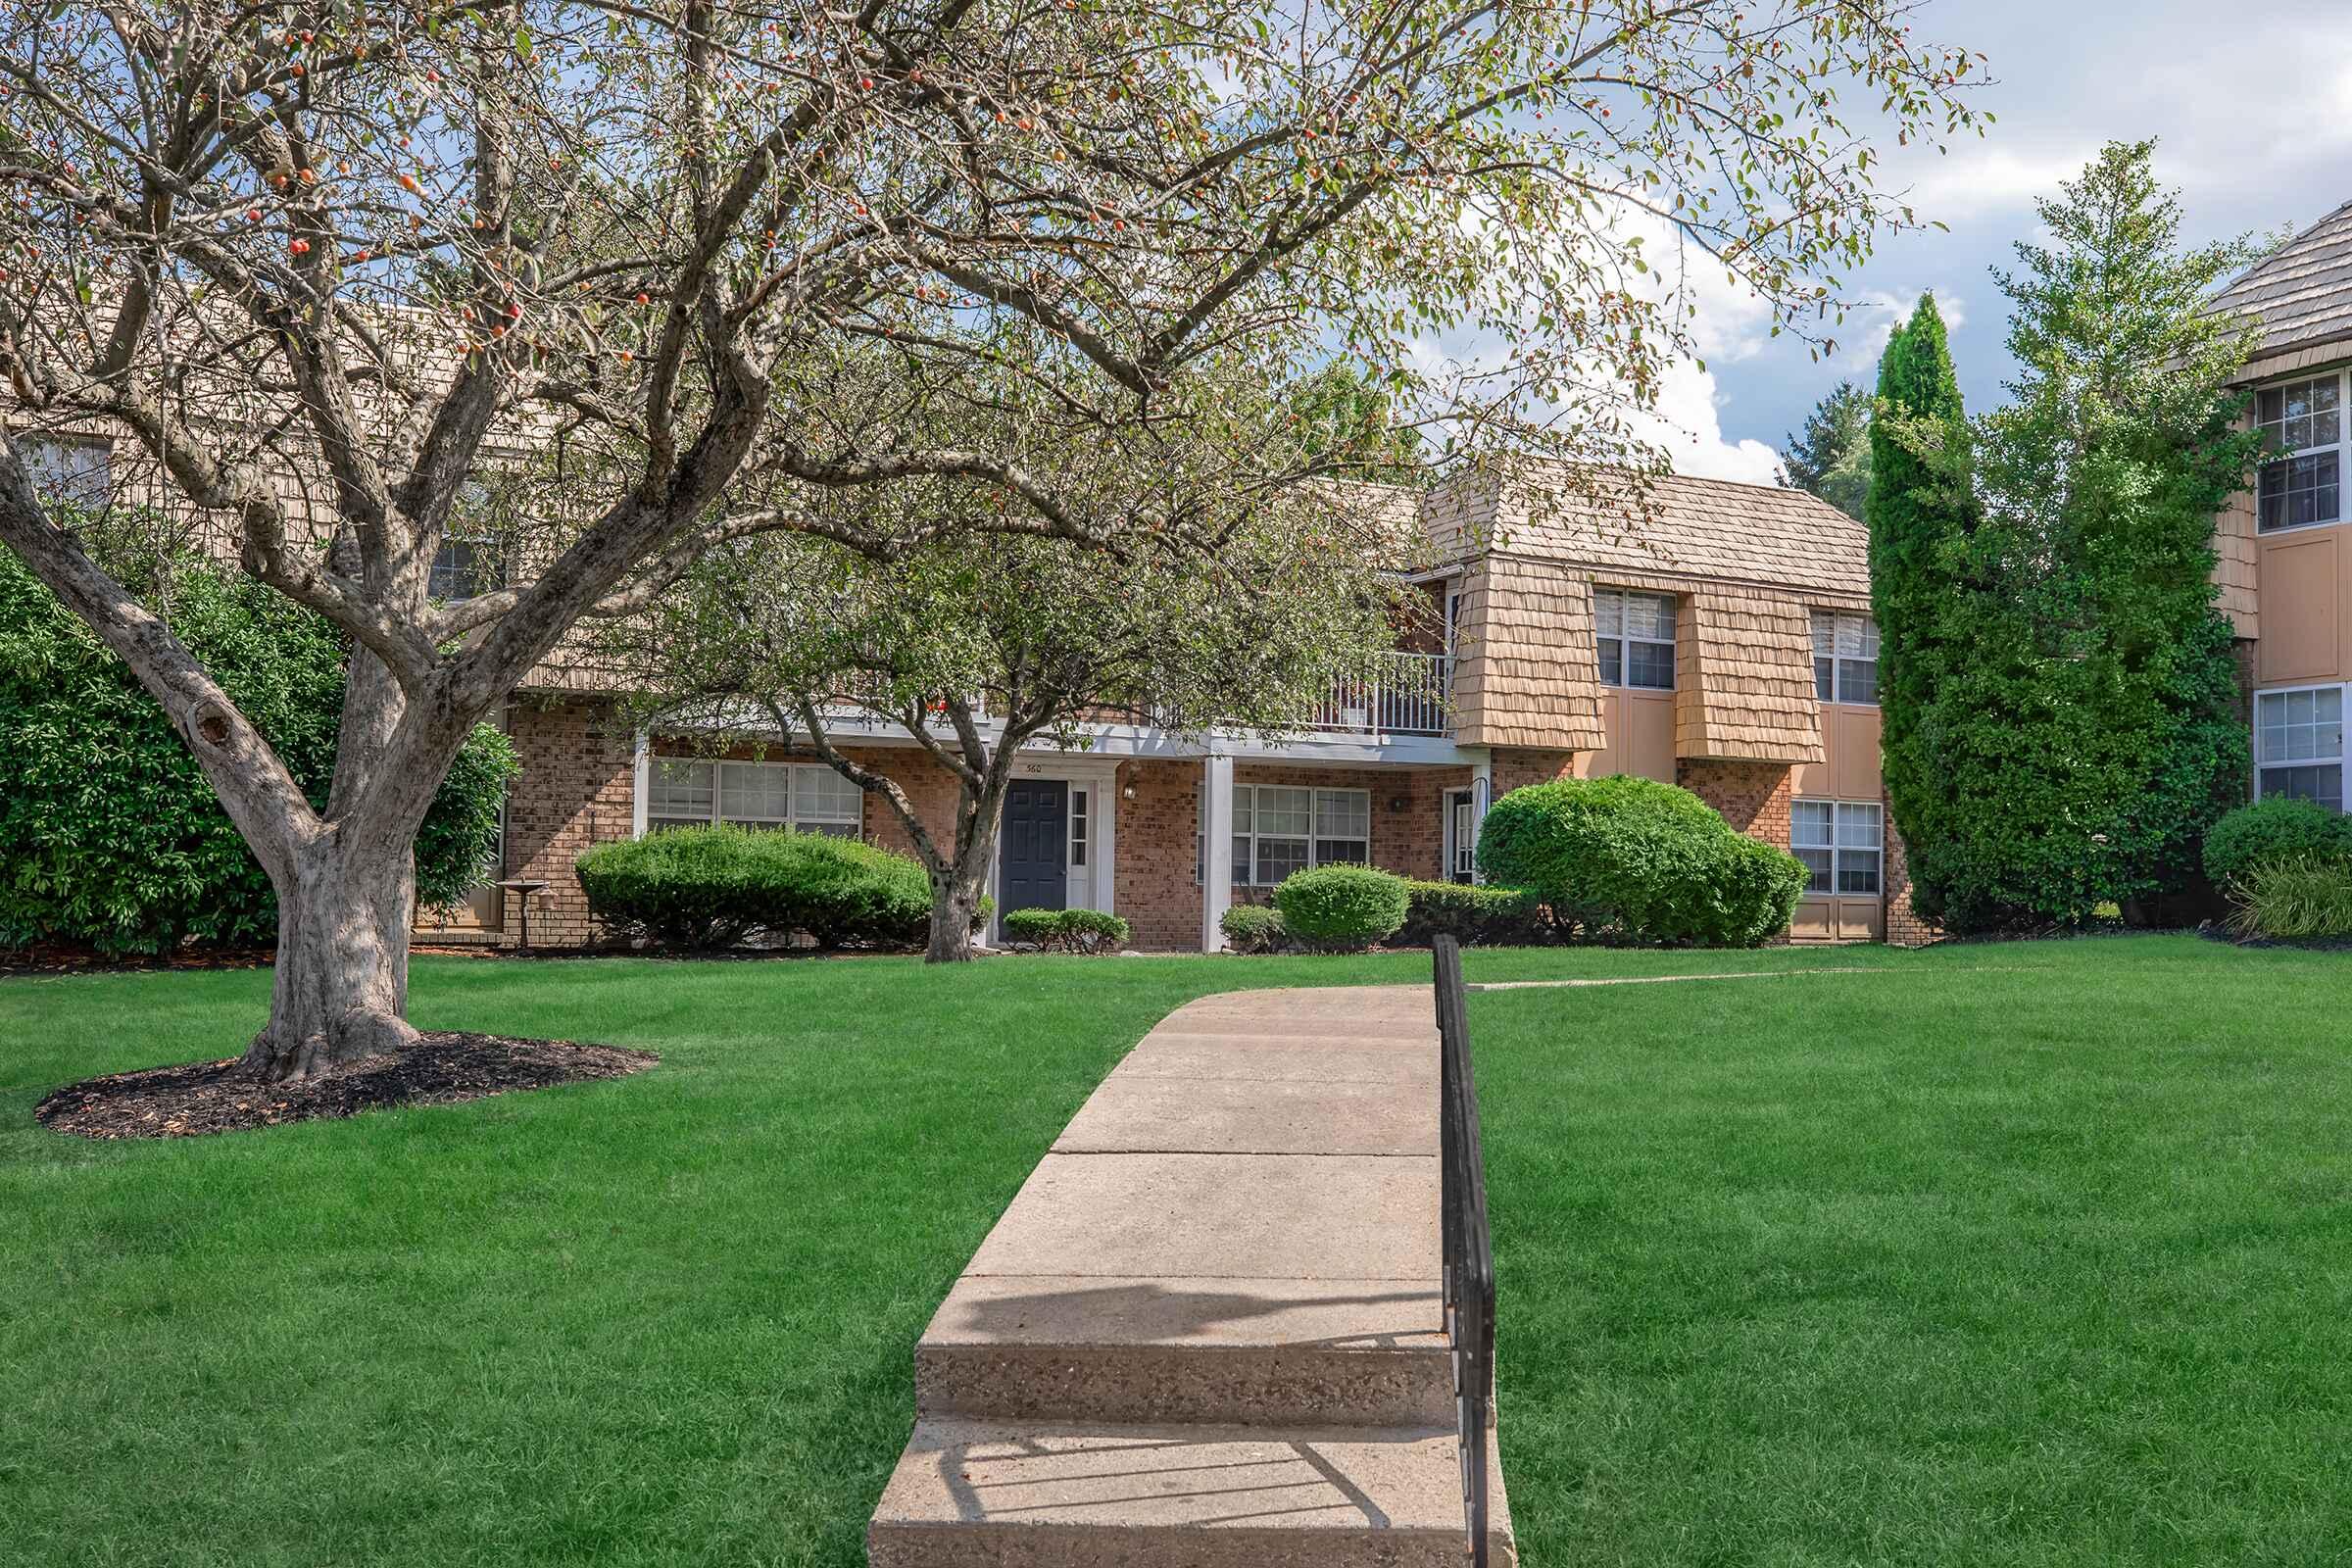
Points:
(221, 1097)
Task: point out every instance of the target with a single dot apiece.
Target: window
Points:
(1846, 657)
(1842, 844)
(463, 568)
(1278, 830)
(467, 563)
(2304, 424)
(1078, 805)
(73, 470)
(811, 798)
(1637, 638)
(2299, 744)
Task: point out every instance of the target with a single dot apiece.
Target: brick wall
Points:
(578, 788)
(1515, 769)
(1904, 927)
(1153, 887)
(1753, 796)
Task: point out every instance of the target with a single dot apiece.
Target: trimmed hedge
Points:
(2279, 828)
(713, 886)
(1473, 915)
(1068, 930)
(1631, 860)
(110, 835)
(1253, 928)
(1340, 908)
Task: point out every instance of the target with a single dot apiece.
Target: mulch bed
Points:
(198, 1097)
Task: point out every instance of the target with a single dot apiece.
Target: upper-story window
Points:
(1637, 638)
(2304, 424)
(1846, 657)
(69, 470)
(2299, 744)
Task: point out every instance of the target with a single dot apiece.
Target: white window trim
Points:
(1244, 870)
(1625, 641)
(2341, 447)
(792, 817)
(1837, 661)
(1838, 852)
(2343, 752)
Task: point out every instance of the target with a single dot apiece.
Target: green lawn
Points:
(1985, 1255)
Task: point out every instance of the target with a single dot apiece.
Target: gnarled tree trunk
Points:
(955, 893)
(341, 992)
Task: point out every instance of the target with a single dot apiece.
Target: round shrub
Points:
(1340, 908)
(2279, 828)
(713, 886)
(1253, 928)
(1473, 915)
(1034, 926)
(110, 835)
(1633, 859)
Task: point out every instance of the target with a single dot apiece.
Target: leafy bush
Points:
(1253, 928)
(713, 886)
(2279, 828)
(1473, 915)
(110, 835)
(1340, 908)
(1633, 859)
(1068, 930)
(1029, 925)
(2298, 899)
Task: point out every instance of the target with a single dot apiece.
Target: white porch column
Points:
(641, 784)
(1481, 796)
(1216, 849)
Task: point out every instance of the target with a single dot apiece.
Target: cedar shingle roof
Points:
(1708, 529)
(2302, 292)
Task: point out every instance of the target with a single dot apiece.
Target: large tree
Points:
(2117, 739)
(321, 265)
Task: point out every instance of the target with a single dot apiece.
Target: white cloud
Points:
(1688, 426)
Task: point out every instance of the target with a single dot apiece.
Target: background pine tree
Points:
(1831, 455)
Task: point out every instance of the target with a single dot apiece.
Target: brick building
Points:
(1722, 643)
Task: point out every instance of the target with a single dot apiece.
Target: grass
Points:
(1985, 1255)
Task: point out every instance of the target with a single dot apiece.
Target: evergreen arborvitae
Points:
(1919, 515)
(2061, 706)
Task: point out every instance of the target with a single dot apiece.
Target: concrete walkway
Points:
(1206, 1331)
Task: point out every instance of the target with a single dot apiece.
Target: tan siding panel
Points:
(2303, 594)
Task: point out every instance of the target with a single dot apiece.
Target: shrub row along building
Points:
(1723, 643)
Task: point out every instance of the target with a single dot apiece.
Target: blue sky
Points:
(2252, 107)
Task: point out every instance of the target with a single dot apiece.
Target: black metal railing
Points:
(1468, 1250)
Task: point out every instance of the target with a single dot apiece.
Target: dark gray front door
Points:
(1034, 873)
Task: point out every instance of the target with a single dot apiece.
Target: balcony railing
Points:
(1405, 694)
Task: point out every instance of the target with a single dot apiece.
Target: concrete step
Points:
(1249, 1352)
(1002, 1495)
